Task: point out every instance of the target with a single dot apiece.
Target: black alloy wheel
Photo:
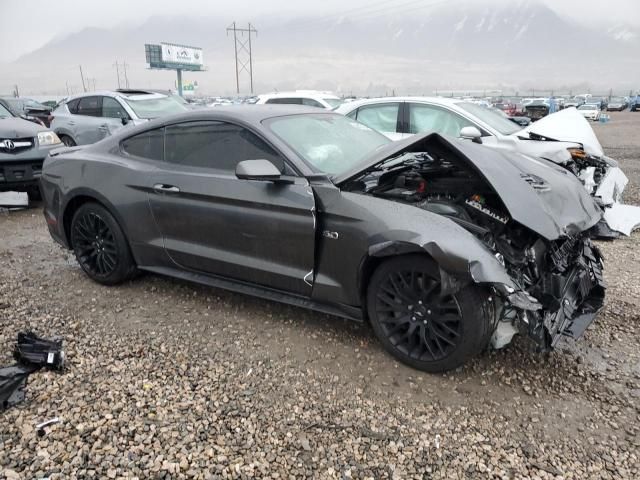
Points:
(421, 325)
(100, 245)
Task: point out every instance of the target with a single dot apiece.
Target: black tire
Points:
(67, 141)
(420, 327)
(100, 245)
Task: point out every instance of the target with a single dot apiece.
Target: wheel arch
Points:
(376, 256)
(64, 132)
(81, 197)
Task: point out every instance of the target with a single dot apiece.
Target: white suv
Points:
(90, 117)
(310, 98)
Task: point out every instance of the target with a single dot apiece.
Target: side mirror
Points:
(471, 133)
(262, 170)
(124, 120)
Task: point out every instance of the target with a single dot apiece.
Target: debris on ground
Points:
(31, 353)
(14, 200)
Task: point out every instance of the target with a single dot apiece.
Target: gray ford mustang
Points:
(444, 246)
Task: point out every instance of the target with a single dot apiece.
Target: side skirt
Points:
(338, 310)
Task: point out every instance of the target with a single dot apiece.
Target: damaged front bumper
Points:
(564, 302)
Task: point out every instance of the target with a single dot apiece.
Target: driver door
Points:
(213, 222)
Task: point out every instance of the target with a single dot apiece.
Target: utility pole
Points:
(126, 79)
(67, 84)
(117, 72)
(82, 77)
(242, 46)
(16, 92)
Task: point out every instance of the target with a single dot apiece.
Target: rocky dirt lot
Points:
(171, 380)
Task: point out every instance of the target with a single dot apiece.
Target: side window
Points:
(353, 115)
(90, 106)
(382, 117)
(310, 102)
(216, 145)
(73, 106)
(285, 101)
(429, 118)
(111, 108)
(147, 144)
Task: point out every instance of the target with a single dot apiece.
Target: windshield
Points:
(330, 143)
(617, 100)
(334, 102)
(491, 118)
(4, 113)
(155, 107)
(587, 107)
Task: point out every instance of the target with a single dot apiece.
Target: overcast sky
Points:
(29, 24)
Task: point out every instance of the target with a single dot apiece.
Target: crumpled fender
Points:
(459, 257)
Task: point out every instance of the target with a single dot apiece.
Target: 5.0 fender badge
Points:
(331, 235)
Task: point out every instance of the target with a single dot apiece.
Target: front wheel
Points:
(67, 141)
(420, 324)
(100, 245)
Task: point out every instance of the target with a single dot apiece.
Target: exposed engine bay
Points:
(560, 282)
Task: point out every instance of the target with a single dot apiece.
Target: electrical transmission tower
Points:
(242, 47)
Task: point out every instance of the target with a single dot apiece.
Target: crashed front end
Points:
(532, 218)
(561, 290)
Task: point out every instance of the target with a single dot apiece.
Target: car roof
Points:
(252, 115)
(132, 94)
(299, 93)
(444, 101)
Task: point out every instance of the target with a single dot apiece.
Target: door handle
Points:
(162, 188)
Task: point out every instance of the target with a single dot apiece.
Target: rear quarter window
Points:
(146, 145)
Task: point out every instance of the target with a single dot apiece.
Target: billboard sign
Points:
(181, 55)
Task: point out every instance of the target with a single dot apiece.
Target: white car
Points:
(563, 137)
(310, 98)
(590, 112)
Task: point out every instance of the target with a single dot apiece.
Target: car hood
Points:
(567, 125)
(538, 194)
(14, 127)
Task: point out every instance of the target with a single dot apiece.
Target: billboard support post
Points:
(179, 81)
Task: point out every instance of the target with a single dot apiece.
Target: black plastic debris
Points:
(13, 381)
(34, 350)
(31, 353)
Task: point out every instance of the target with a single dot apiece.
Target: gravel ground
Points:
(171, 380)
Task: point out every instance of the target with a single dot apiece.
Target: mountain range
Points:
(457, 45)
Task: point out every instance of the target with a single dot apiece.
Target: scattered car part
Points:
(31, 353)
(14, 200)
(13, 380)
(41, 428)
(39, 351)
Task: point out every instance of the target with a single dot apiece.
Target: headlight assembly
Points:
(48, 138)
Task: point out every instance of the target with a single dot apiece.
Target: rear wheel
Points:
(67, 141)
(418, 323)
(100, 245)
